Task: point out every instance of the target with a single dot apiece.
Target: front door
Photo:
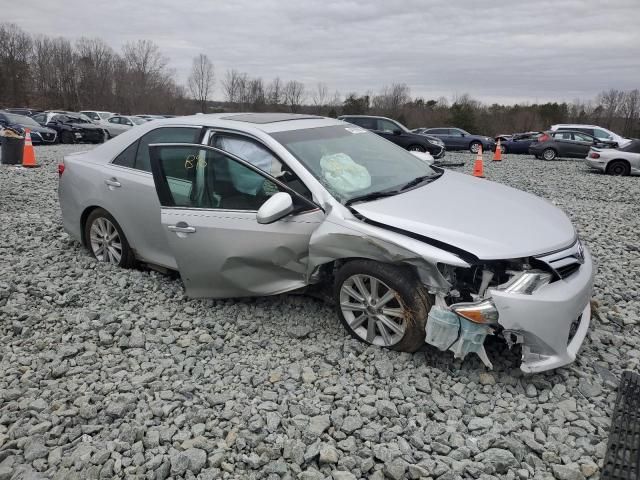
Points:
(209, 200)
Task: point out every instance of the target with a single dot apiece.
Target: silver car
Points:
(261, 204)
(616, 161)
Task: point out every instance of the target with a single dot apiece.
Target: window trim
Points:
(137, 140)
(166, 199)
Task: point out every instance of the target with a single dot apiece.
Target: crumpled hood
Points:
(487, 219)
(86, 126)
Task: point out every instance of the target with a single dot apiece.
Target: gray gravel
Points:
(110, 373)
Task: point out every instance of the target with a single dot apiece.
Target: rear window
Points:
(632, 147)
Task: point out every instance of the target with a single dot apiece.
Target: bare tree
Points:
(320, 96)
(201, 80)
(15, 53)
(630, 110)
(294, 94)
(274, 92)
(232, 85)
(392, 98)
(611, 102)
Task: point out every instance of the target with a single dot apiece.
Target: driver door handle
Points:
(181, 228)
(112, 182)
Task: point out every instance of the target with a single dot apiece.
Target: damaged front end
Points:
(534, 302)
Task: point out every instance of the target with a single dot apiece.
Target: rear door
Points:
(582, 144)
(209, 201)
(457, 139)
(131, 195)
(564, 143)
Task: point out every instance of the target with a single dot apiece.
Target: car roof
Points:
(266, 122)
(366, 116)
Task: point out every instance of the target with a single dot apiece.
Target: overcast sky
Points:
(498, 50)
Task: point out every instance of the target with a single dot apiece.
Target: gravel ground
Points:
(110, 373)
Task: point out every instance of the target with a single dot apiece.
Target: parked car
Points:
(600, 133)
(261, 204)
(519, 142)
(121, 123)
(102, 118)
(39, 134)
(458, 139)
(565, 143)
(27, 112)
(616, 161)
(397, 133)
(71, 128)
(148, 118)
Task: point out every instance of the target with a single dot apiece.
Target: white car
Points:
(616, 161)
(122, 123)
(100, 118)
(600, 133)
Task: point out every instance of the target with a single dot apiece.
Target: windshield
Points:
(138, 121)
(21, 119)
(351, 162)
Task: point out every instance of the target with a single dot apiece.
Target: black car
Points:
(518, 142)
(398, 134)
(39, 134)
(458, 139)
(71, 128)
(568, 144)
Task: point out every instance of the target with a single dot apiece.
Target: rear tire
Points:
(549, 154)
(618, 168)
(382, 304)
(106, 241)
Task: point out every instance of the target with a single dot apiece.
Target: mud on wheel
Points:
(382, 304)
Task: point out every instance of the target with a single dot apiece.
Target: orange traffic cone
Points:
(28, 155)
(478, 166)
(497, 155)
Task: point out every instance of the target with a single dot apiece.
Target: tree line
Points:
(55, 73)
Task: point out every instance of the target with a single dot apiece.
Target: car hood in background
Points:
(39, 128)
(489, 220)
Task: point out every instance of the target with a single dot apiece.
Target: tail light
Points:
(594, 155)
(60, 169)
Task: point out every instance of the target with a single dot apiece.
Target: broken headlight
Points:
(477, 312)
(527, 282)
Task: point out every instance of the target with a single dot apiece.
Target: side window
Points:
(163, 135)
(201, 178)
(259, 156)
(386, 126)
(582, 138)
(437, 131)
(93, 115)
(455, 133)
(128, 156)
(601, 134)
(40, 118)
(114, 120)
(368, 123)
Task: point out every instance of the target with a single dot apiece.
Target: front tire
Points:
(618, 168)
(474, 147)
(549, 154)
(66, 137)
(382, 304)
(416, 148)
(106, 241)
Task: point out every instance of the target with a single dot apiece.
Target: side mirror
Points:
(278, 206)
(397, 131)
(463, 134)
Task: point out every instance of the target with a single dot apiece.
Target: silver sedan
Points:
(261, 204)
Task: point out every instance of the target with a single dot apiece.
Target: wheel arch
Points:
(623, 160)
(83, 220)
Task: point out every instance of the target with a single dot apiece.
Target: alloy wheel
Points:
(475, 147)
(105, 240)
(373, 310)
(549, 154)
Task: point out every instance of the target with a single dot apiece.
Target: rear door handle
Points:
(112, 182)
(181, 228)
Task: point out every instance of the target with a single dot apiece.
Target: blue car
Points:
(458, 139)
(519, 142)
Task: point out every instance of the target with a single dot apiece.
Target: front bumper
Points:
(543, 321)
(596, 164)
(41, 138)
(437, 151)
